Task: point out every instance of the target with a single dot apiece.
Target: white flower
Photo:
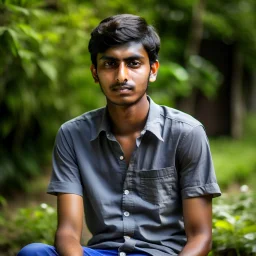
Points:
(44, 206)
(244, 188)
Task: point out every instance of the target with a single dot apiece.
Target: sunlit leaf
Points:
(250, 236)
(18, 9)
(2, 30)
(48, 69)
(249, 229)
(222, 224)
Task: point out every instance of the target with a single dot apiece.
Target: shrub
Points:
(44, 78)
(32, 224)
(234, 227)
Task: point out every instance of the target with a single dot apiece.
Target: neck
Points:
(130, 119)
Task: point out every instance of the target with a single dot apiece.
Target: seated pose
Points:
(141, 173)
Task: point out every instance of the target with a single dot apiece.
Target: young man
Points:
(142, 173)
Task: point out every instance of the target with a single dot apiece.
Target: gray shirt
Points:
(136, 206)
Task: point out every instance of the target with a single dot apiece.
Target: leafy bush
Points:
(234, 227)
(43, 82)
(33, 224)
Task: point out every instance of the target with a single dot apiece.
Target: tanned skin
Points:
(123, 73)
(197, 214)
(70, 224)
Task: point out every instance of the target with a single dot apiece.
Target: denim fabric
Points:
(38, 249)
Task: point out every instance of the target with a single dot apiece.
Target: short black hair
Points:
(120, 29)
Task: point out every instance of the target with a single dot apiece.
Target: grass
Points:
(235, 160)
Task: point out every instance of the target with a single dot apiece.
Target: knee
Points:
(35, 249)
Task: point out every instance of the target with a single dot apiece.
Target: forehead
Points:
(124, 51)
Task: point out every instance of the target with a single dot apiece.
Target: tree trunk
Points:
(237, 102)
(188, 104)
(196, 30)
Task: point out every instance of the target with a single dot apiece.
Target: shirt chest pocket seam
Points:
(156, 185)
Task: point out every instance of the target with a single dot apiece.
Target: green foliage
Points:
(233, 21)
(44, 80)
(234, 225)
(176, 81)
(33, 224)
(235, 160)
(172, 81)
(2, 205)
(204, 76)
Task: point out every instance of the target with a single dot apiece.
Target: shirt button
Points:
(126, 192)
(122, 254)
(121, 157)
(126, 214)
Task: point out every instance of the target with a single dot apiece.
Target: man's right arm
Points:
(70, 225)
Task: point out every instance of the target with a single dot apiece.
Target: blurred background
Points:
(207, 69)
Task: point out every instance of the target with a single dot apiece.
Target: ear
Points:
(153, 72)
(94, 73)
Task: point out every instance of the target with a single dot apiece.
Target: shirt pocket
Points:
(156, 185)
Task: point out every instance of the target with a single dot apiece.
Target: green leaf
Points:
(3, 201)
(222, 224)
(18, 9)
(2, 30)
(250, 236)
(249, 229)
(29, 31)
(48, 69)
(175, 70)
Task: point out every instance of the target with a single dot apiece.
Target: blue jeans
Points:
(38, 249)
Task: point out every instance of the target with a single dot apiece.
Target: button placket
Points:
(128, 200)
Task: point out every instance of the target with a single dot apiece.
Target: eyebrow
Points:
(133, 57)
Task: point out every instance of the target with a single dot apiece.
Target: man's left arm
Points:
(197, 213)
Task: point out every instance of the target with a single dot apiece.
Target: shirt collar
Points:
(102, 125)
(154, 122)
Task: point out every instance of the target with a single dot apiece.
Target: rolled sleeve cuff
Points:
(208, 189)
(64, 187)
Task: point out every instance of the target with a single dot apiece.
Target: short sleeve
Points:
(65, 172)
(195, 165)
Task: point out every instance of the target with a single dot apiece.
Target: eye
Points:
(110, 64)
(134, 64)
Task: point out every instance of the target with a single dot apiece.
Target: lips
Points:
(122, 87)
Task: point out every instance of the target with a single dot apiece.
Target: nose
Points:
(122, 73)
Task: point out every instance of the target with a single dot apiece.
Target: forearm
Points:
(199, 246)
(67, 245)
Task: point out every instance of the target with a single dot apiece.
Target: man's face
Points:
(124, 72)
